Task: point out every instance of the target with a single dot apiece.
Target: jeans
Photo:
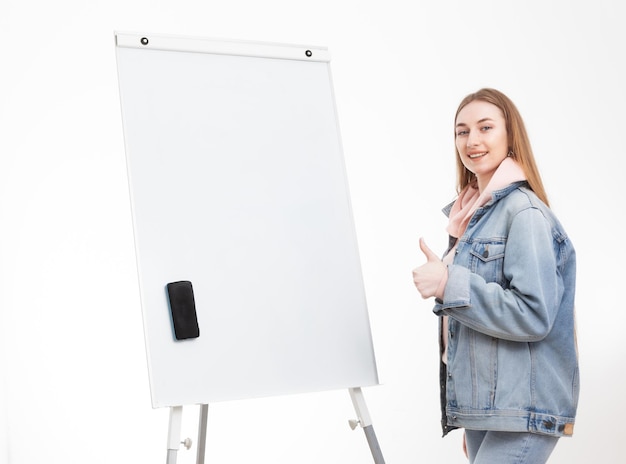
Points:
(487, 447)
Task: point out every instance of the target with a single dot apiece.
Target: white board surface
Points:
(237, 184)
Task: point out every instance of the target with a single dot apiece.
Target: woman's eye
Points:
(460, 133)
(486, 128)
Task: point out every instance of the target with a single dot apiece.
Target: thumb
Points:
(430, 255)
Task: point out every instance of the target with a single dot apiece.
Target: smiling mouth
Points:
(477, 155)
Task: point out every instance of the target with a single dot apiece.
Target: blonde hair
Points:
(519, 144)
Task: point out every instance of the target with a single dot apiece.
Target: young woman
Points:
(505, 295)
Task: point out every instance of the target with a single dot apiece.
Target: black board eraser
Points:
(183, 310)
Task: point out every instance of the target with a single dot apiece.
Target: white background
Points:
(74, 379)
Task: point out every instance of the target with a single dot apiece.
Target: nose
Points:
(472, 139)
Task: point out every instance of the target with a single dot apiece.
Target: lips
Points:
(476, 155)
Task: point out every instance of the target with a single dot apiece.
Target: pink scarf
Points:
(470, 199)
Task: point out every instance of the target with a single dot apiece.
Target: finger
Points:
(430, 255)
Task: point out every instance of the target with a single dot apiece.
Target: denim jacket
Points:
(512, 361)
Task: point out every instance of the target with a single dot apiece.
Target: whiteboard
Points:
(238, 184)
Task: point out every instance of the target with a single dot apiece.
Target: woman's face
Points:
(481, 139)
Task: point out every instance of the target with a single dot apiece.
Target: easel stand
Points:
(176, 415)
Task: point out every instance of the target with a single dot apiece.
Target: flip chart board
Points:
(238, 186)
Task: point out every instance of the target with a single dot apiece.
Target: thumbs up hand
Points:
(430, 277)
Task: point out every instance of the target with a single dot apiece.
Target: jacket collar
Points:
(496, 196)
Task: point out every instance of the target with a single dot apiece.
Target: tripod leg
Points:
(202, 426)
(358, 400)
(173, 435)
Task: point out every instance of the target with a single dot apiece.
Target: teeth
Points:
(477, 155)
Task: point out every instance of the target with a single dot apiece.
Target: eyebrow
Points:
(477, 122)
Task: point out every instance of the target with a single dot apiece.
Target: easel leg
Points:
(358, 400)
(173, 434)
(202, 428)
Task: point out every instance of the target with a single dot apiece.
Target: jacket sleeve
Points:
(527, 308)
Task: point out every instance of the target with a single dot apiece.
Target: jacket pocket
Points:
(487, 260)
(472, 374)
